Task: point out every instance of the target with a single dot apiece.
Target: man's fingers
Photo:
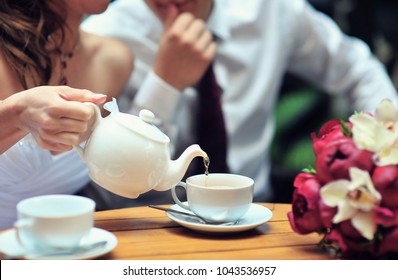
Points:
(181, 24)
(210, 51)
(195, 31)
(171, 15)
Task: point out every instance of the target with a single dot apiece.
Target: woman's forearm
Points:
(10, 132)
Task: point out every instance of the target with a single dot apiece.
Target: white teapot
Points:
(128, 155)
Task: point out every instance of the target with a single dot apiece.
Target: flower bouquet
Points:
(351, 196)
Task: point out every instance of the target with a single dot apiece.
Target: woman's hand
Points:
(56, 116)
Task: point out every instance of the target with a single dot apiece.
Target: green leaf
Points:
(346, 129)
(309, 169)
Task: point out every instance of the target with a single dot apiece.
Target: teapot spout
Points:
(178, 167)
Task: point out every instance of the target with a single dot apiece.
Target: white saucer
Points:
(10, 246)
(255, 216)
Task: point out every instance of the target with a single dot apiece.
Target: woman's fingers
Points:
(58, 117)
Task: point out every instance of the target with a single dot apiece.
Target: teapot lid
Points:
(142, 125)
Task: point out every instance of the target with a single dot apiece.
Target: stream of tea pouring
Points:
(206, 163)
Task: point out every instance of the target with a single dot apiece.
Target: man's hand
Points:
(185, 51)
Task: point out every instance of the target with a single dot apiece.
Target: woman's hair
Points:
(25, 29)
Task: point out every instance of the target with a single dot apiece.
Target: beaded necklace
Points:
(64, 58)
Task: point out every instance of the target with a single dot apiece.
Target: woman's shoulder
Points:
(110, 51)
(111, 62)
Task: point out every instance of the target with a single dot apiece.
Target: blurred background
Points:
(302, 110)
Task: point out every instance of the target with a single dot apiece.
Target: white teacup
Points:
(48, 222)
(217, 197)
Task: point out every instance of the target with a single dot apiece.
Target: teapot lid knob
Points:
(147, 116)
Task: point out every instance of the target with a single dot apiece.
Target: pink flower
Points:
(327, 213)
(331, 130)
(386, 217)
(305, 217)
(385, 179)
(337, 156)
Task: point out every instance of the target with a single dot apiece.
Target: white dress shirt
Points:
(258, 42)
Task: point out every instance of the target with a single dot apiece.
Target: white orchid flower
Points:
(355, 200)
(378, 133)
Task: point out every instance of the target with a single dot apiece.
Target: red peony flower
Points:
(332, 130)
(385, 179)
(305, 217)
(333, 162)
(386, 217)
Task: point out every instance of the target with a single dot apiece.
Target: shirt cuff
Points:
(158, 96)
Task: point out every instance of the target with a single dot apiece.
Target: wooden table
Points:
(148, 234)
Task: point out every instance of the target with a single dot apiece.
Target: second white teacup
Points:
(217, 197)
(46, 223)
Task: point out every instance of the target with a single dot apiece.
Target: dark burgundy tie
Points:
(211, 127)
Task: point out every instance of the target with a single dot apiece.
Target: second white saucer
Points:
(255, 216)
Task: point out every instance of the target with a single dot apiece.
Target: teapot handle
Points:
(97, 114)
(98, 119)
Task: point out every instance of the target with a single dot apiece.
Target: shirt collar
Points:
(217, 22)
